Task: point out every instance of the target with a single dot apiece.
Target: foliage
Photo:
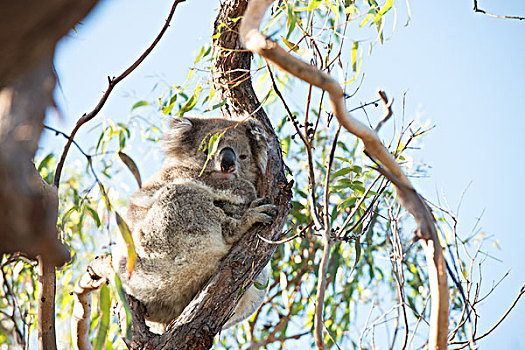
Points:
(377, 285)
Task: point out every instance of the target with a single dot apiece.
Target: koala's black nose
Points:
(227, 158)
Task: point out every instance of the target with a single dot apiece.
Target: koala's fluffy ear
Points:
(259, 144)
(175, 134)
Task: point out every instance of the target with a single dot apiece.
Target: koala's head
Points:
(241, 152)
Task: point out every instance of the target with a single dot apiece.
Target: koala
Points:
(189, 214)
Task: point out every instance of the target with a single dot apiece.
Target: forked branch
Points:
(255, 41)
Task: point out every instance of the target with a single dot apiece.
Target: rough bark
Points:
(29, 31)
(204, 317)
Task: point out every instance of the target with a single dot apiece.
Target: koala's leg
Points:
(234, 229)
(250, 301)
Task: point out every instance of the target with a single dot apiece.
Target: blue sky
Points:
(463, 72)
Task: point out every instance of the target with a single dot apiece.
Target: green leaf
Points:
(102, 140)
(409, 13)
(291, 20)
(341, 172)
(45, 162)
(355, 46)
(261, 286)
(313, 5)
(343, 159)
(357, 186)
(190, 103)
(357, 247)
(387, 6)
(121, 139)
(342, 184)
(139, 104)
(201, 54)
(218, 105)
(348, 203)
(167, 109)
(285, 145)
(211, 147)
(126, 235)
(103, 324)
(132, 166)
(350, 9)
(93, 213)
(123, 300)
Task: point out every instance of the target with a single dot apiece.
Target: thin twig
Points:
(477, 9)
(514, 303)
(387, 110)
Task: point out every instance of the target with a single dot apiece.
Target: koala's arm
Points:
(258, 212)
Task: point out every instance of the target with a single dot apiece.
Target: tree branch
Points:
(410, 199)
(46, 305)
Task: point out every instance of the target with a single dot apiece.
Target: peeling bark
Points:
(97, 274)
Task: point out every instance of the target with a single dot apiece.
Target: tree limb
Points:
(409, 198)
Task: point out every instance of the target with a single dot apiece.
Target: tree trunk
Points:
(204, 317)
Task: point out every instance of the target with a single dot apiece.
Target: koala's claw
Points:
(259, 202)
(264, 213)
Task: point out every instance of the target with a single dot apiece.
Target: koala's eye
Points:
(243, 156)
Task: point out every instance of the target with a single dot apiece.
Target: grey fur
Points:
(183, 224)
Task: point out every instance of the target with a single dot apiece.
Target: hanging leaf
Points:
(167, 109)
(190, 103)
(132, 166)
(126, 235)
(123, 300)
(93, 213)
(210, 147)
(355, 46)
(103, 324)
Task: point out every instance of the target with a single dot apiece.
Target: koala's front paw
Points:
(259, 212)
